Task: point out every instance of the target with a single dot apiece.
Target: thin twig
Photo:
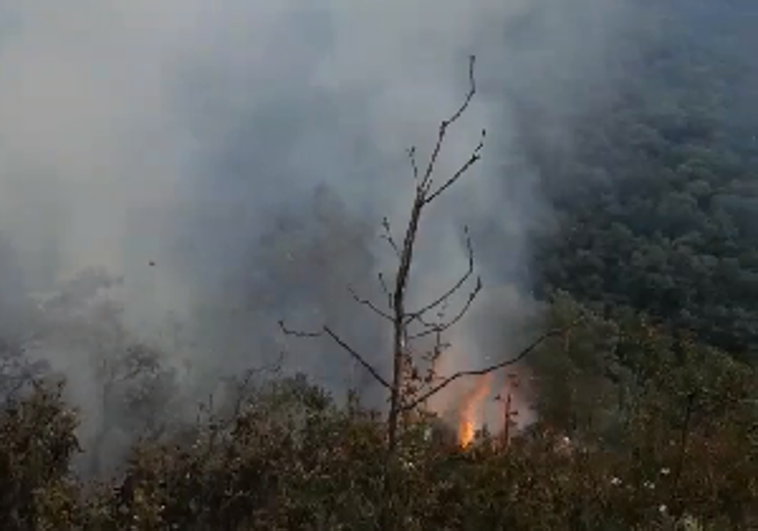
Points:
(473, 159)
(385, 288)
(427, 180)
(298, 333)
(413, 161)
(410, 317)
(369, 304)
(388, 236)
(439, 327)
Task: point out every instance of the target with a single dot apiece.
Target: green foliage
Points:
(37, 443)
(666, 435)
(657, 200)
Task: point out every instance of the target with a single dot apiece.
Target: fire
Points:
(470, 405)
(466, 433)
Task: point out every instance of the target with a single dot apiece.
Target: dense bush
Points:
(666, 439)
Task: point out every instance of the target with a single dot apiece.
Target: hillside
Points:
(658, 201)
(624, 397)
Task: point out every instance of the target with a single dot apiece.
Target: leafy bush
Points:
(287, 456)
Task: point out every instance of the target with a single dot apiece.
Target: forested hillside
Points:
(658, 199)
(626, 397)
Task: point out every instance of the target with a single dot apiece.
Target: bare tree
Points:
(408, 386)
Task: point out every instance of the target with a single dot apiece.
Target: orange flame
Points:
(469, 407)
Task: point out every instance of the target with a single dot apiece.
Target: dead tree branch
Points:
(492, 368)
(358, 357)
(342, 343)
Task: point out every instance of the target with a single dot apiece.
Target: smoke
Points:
(169, 141)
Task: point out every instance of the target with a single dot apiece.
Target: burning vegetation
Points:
(470, 412)
(480, 407)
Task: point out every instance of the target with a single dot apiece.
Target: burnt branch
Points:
(492, 368)
(342, 343)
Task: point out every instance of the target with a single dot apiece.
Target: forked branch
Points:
(439, 327)
(427, 181)
(419, 314)
(473, 159)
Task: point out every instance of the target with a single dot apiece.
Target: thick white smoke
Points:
(129, 128)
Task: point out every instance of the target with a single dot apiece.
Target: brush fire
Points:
(496, 403)
(486, 402)
(471, 410)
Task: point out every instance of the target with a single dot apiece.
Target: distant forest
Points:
(658, 197)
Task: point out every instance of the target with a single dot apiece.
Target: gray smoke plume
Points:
(232, 160)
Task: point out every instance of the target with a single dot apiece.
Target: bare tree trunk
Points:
(415, 324)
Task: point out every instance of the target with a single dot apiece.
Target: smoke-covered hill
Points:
(657, 196)
(230, 164)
